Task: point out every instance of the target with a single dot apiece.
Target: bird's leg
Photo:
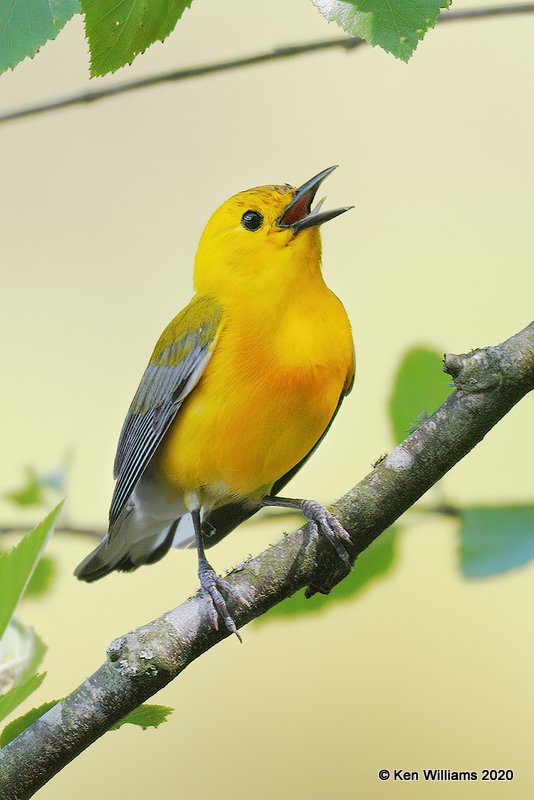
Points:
(210, 582)
(319, 519)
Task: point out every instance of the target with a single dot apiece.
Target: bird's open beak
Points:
(299, 214)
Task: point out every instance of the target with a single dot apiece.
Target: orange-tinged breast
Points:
(269, 392)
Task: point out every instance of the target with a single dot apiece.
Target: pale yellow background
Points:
(102, 207)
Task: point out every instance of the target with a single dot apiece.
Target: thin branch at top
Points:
(285, 51)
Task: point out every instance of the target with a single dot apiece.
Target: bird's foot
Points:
(320, 519)
(211, 584)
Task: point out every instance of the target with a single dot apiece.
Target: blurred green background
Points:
(102, 207)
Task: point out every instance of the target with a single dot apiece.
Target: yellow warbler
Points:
(242, 386)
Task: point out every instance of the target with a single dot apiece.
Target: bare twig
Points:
(285, 51)
(10, 528)
(70, 530)
(488, 382)
(266, 516)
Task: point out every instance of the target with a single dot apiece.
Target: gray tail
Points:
(118, 553)
(99, 563)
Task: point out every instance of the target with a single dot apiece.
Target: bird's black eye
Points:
(252, 220)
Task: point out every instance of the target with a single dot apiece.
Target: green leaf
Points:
(17, 566)
(494, 539)
(118, 32)
(10, 700)
(21, 653)
(30, 493)
(145, 716)
(420, 386)
(33, 490)
(396, 26)
(375, 562)
(25, 26)
(42, 578)
(20, 724)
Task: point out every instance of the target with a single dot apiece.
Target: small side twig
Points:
(70, 530)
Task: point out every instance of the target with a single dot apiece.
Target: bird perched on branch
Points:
(242, 386)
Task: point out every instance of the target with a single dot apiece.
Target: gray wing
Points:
(174, 370)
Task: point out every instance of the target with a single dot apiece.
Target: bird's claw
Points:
(211, 584)
(319, 518)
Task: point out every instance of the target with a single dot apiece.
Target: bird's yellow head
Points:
(263, 238)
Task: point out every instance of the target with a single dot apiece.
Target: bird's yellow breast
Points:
(266, 397)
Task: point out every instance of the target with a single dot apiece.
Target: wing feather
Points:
(176, 366)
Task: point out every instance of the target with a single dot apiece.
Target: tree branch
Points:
(489, 382)
(285, 51)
